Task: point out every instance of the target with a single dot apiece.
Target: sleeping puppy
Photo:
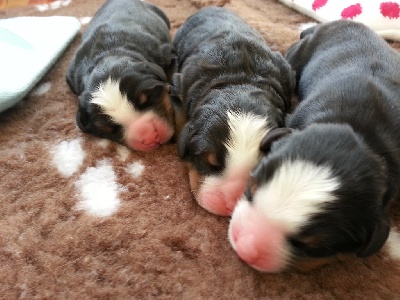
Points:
(121, 73)
(234, 89)
(322, 192)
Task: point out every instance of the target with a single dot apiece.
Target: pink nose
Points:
(144, 131)
(147, 132)
(150, 136)
(245, 247)
(257, 241)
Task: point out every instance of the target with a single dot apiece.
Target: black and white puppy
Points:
(322, 192)
(234, 89)
(121, 73)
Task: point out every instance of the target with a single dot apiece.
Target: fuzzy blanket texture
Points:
(85, 218)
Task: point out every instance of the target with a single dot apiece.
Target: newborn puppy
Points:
(322, 192)
(234, 90)
(121, 73)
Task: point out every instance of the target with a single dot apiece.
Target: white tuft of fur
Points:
(68, 156)
(393, 244)
(245, 134)
(98, 190)
(103, 143)
(297, 190)
(53, 5)
(123, 152)
(113, 103)
(135, 169)
(85, 20)
(304, 26)
(41, 89)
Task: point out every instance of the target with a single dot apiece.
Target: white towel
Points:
(29, 46)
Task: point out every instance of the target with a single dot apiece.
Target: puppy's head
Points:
(317, 196)
(131, 106)
(221, 147)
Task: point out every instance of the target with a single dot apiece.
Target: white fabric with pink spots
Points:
(383, 16)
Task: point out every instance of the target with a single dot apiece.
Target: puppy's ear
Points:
(82, 119)
(377, 239)
(170, 59)
(159, 12)
(176, 85)
(182, 139)
(307, 31)
(82, 115)
(272, 136)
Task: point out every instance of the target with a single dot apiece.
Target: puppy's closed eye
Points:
(212, 159)
(207, 162)
(106, 127)
(151, 97)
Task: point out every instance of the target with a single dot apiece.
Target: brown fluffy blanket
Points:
(83, 218)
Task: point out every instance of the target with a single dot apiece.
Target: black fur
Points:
(348, 119)
(224, 64)
(127, 40)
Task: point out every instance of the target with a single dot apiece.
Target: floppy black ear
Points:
(82, 119)
(176, 85)
(182, 141)
(308, 31)
(272, 136)
(377, 239)
(82, 115)
(170, 59)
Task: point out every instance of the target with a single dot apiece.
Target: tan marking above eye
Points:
(309, 264)
(166, 101)
(312, 241)
(211, 158)
(313, 263)
(103, 127)
(194, 179)
(142, 98)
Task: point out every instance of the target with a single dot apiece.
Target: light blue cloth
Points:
(29, 46)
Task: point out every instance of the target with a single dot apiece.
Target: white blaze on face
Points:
(219, 193)
(245, 134)
(142, 130)
(113, 103)
(298, 190)
(259, 229)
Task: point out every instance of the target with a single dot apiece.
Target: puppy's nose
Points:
(150, 137)
(259, 242)
(221, 196)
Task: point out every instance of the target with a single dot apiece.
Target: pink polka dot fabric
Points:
(383, 16)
